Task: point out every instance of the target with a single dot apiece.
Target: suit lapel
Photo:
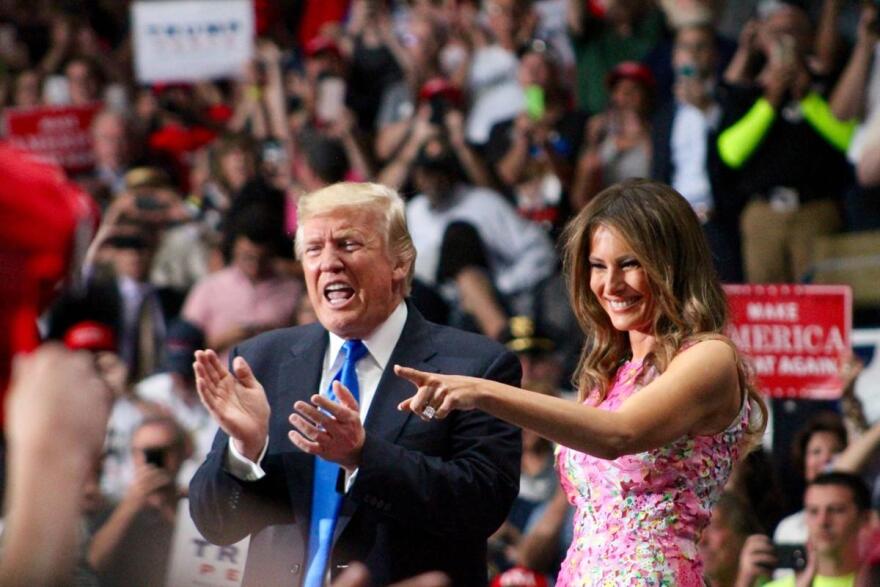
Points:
(299, 376)
(384, 420)
(413, 349)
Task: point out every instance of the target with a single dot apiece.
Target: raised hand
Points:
(41, 405)
(806, 576)
(330, 430)
(437, 394)
(237, 402)
(147, 481)
(757, 559)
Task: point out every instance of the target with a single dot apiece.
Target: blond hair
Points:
(384, 201)
(663, 232)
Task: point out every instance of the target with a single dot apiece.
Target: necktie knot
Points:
(354, 350)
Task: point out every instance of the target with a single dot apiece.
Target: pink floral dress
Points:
(639, 516)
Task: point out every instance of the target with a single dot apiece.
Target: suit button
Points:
(294, 569)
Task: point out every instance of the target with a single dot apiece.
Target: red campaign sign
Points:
(795, 335)
(58, 134)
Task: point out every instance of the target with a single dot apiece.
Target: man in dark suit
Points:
(414, 494)
(684, 128)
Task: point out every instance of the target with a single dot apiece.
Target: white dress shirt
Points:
(690, 177)
(380, 344)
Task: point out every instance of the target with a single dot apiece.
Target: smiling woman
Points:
(621, 286)
(666, 407)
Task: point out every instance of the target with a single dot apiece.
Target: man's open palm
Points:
(237, 402)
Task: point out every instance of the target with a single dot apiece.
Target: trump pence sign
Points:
(795, 335)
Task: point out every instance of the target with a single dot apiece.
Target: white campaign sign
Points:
(191, 40)
(866, 343)
(195, 562)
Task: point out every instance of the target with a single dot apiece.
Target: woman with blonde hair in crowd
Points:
(666, 405)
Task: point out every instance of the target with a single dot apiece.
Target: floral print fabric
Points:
(638, 517)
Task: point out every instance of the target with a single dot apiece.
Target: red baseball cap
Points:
(90, 335)
(322, 44)
(632, 70)
(440, 87)
(47, 223)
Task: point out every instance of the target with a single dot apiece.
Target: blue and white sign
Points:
(195, 562)
(191, 40)
(866, 344)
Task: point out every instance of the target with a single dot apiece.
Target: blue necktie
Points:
(325, 499)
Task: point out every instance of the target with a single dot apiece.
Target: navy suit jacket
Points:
(427, 494)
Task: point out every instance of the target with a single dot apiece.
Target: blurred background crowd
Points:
(497, 120)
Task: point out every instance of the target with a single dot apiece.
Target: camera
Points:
(442, 96)
(155, 457)
(148, 202)
(791, 556)
(439, 108)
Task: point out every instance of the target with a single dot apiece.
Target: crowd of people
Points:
(511, 130)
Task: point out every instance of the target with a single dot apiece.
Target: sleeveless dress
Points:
(638, 517)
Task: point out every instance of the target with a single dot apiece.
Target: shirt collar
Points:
(381, 342)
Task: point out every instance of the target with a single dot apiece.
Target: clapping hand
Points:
(237, 402)
(330, 430)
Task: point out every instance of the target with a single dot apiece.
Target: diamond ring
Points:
(429, 412)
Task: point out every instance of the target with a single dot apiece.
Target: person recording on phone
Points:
(681, 156)
(439, 115)
(837, 507)
(472, 246)
(320, 481)
(781, 147)
(133, 546)
(534, 153)
(618, 140)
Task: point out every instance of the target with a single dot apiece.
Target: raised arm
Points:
(848, 99)
(857, 454)
(827, 42)
(397, 170)
(225, 503)
(868, 167)
(698, 394)
(574, 16)
(56, 420)
(738, 71)
(425, 476)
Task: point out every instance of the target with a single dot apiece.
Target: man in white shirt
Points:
(472, 244)
(684, 128)
(413, 494)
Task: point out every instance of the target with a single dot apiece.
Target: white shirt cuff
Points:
(241, 467)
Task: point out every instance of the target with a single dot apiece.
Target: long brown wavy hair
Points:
(689, 305)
